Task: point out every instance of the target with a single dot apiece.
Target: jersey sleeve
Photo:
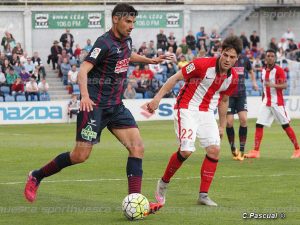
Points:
(98, 51)
(280, 76)
(192, 70)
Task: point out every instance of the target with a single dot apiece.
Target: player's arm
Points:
(136, 58)
(280, 81)
(253, 79)
(86, 103)
(222, 109)
(166, 88)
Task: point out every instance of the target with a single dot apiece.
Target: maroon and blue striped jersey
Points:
(110, 57)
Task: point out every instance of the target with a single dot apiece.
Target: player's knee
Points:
(79, 157)
(243, 122)
(213, 151)
(136, 150)
(284, 126)
(185, 154)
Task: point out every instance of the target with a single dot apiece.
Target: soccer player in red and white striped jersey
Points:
(208, 84)
(274, 81)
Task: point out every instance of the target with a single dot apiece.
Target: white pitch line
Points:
(124, 179)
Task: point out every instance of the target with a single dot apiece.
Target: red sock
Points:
(174, 164)
(134, 184)
(259, 132)
(208, 170)
(290, 132)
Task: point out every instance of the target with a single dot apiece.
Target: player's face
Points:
(270, 58)
(228, 59)
(125, 25)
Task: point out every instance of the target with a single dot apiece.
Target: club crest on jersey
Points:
(122, 66)
(190, 68)
(95, 53)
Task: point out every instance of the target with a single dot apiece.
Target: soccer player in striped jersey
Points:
(208, 84)
(274, 81)
(102, 78)
(238, 105)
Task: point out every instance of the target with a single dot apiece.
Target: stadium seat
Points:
(5, 89)
(139, 96)
(76, 90)
(44, 97)
(9, 98)
(21, 98)
(1, 99)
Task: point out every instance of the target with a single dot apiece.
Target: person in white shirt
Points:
(43, 87)
(73, 106)
(288, 35)
(32, 89)
(29, 65)
(72, 75)
(2, 79)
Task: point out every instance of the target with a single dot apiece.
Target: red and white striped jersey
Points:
(273, 95)
(204, 86)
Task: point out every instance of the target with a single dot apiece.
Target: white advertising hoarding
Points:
(56, 111)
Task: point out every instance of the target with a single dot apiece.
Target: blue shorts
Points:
(91, 124)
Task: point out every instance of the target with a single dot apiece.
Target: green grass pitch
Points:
(91, 193)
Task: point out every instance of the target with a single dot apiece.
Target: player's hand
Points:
(86, 104)
(162, 58)
(221, 132)
(152, 106)
(254, 86)
(269, 84)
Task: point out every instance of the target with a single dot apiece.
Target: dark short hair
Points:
(124, 10)
(233, 42)
(271, 50)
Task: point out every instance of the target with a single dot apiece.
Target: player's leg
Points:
(208, 134)
(88, 133)
(265, 118)
(185, 124)
(229, 126)
(242, 113)
(282, 116)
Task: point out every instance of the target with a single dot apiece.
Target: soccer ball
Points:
(135, 206)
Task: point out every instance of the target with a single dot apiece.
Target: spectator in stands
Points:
(11, 76)
(2, 79)
(8, 42)
(18, 49)
(215, 50)
(162, 40)
(182, 62)
(292, 46)
(178, 53)
(201, 53)
(273, 45)
(5, 66)
(183, 46)
(283, 44)
(2, 58)
(2, 95)
(171, 53)
(171, 69)
(201, 35)
(288, 35)
(191, 41)
(189, 55)
(55, 51)
(32, 89)
(17, 88)
(144, 86)
(147, 73)
(257, 67)
(88, 46)
(151, 50)
(24, 75)
(72, 77)
(202, 46)
(142, 48)
(69, 50)
(67, 38)
(38, 63)
(62, 57)
(244, 39)
(29, 65)
(214, 38)
(254, 41)
(73, 106)
(43, 88)
(280, 54)
(77, 52)
(129, 92)
(15, 60)
(65, 67)
(172, 42)
(136, 73)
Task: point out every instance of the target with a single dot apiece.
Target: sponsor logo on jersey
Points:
(190, 68)
(95, 53)
(88, 133)
(122, 66)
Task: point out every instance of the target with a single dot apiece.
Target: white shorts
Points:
(268, 113)
(191, 124)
